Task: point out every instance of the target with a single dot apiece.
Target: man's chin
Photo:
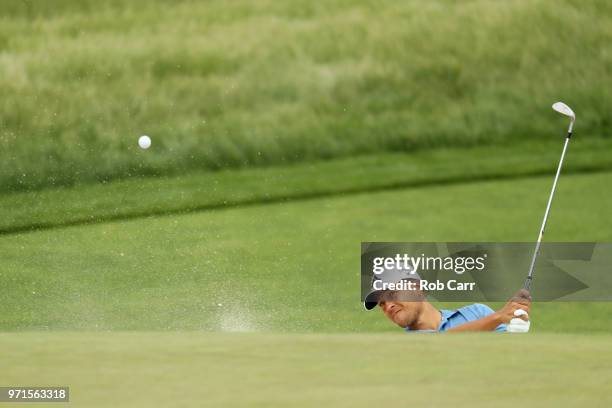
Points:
(401, 321)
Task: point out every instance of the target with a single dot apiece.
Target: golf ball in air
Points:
(144, 142)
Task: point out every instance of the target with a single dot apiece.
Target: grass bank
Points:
(223, 85)
(237, 370)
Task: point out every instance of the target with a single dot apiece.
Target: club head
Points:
(564, 110)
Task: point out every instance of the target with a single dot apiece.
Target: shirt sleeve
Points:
(483, 311)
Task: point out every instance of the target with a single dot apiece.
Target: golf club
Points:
(564, 110)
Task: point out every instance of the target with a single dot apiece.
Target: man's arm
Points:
(521, 300)
(487, 323)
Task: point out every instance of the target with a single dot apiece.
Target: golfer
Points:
(411, 311)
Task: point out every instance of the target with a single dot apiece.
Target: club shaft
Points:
(527, 284)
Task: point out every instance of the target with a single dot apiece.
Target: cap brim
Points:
(371, 301)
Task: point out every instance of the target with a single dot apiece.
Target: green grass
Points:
(238, 370)
(143, 197)
(364, 120)
(278, 267)
(244, 83)
(145, 312)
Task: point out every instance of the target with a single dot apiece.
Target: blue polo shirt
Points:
(454, 318)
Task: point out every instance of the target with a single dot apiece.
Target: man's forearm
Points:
(487, 323)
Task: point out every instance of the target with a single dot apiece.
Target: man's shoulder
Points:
(475, 311)
(457, 317)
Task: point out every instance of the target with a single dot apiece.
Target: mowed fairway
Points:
(186, 369)
(279, 267)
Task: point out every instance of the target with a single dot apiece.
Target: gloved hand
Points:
(518, 325)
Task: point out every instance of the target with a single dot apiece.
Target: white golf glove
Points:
(518, 325)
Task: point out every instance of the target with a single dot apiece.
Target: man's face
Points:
(403, 314)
